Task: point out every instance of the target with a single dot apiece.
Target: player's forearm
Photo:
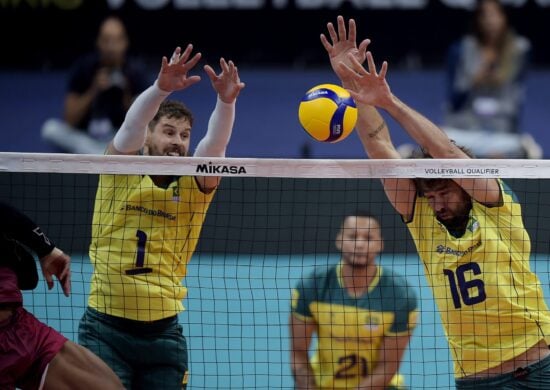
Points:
(380, 377)
(304, 377)
(374, 134)
(220, 127)
(21, 228)
(374, 382)
(132, 133)
(422, 130)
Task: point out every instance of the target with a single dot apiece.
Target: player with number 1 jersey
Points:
(146, 227)
(143, 236)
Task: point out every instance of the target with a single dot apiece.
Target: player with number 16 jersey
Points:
(479, 278)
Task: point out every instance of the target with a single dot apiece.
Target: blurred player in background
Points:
(362, 313)
(145, 230)
(470, 236)
(33, 355)
(101, 87)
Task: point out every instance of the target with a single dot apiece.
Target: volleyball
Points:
(327, 113)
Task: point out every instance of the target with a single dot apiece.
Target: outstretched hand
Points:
(370, 87)
(343, 45)
(227, 84)
(173, 75)
(57, 264)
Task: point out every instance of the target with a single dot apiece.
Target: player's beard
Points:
(460, 220)
(152, 150)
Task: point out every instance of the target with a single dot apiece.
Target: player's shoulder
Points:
(396, 282)
(507, 192)
(318, 276)
(391, 277)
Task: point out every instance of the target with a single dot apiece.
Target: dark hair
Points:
(423, 153)
(423, 184)
(359, 213)
(476, 27)
(171, 109)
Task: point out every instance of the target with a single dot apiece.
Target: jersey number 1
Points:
(140, 256)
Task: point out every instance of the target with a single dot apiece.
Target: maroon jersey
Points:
(27, 346)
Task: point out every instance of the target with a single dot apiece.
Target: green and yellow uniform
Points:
(491, 303)
(351, 329)
(143, 237)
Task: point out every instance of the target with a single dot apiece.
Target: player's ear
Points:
(338, 241)
(148, 135)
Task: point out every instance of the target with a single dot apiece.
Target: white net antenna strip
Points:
(266, 167)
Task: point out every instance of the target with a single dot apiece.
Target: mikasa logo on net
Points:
(229, 169)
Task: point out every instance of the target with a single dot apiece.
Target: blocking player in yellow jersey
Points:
(470, 236)
(362, 313)
(145, 230)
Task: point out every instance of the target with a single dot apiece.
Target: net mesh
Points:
(270, 224)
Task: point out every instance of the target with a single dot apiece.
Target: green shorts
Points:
(145, 355)
(534, 376)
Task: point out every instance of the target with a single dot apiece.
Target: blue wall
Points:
(267, 122)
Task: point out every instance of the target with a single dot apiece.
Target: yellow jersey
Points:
(351, 329)
(491, 303)
(143, 236)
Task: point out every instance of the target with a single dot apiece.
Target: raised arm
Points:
(343, 44)
(371, 88)
(341, 49)
(172, 77)
(344, 54)
(227, 86)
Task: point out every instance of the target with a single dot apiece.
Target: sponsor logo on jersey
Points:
(442, 249)
(145, 210)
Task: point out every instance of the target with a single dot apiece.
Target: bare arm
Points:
(392, 349)
(373, 89)
(301, 333)
(438, 145)
(370, 127)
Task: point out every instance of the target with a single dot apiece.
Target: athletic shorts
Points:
(27, 346)
(534, 376)
(144, 355)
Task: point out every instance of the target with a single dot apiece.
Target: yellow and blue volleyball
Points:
(327, 113)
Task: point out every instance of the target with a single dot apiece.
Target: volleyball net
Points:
(270, 224)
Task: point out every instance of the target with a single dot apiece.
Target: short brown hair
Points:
(424, 184)
(171, 109)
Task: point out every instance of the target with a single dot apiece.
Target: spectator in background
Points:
(101, 87)
(486, 73)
